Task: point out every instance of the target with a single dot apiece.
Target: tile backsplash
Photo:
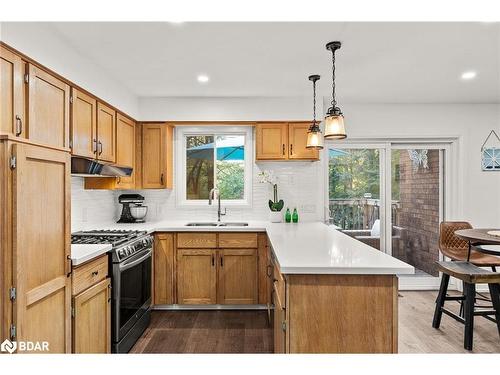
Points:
(300, 184)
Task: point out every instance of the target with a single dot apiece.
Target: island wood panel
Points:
(125, 150)
(341, 313)
(237, 277)
(196, 240)
(106, 133)
(83, 125)
(271, 141)
(11, 93)
(92, 319)
(41, 254)
(164, 255)
(279, 324)
(197, 279)
(48, 108)
(238, 240)
(265, 269)
(297, 138)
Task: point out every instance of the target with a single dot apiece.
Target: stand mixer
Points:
(133, 211)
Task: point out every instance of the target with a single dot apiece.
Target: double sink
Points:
(216, 224)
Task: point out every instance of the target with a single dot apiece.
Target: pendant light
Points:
(334, 120)
(314, 136)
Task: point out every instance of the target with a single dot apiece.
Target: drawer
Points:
(238, 240)
(90, 273)
(195, 240)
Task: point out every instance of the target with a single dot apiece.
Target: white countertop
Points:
(303, 248)
(83, 253)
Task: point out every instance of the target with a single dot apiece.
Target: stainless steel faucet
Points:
(215, 194)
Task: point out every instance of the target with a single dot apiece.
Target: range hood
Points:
(91, 168)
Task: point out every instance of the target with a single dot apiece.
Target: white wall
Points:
(302, 184)
(43, 44)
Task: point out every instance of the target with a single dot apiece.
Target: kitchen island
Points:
(331, 293)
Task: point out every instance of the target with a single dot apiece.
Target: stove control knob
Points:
(121, 253)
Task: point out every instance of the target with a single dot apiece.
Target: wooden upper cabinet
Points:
(297, 140)
(157, 156)
(283, 141)
(48, 108)
(92, 319)
(106, 133)
(41, 250)
(237, 281)
(83, 124)
(271, 141)
(11, 93)
(197, 276)
(125, 149)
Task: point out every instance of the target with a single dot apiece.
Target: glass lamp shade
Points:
(334, 127)
(314, 140)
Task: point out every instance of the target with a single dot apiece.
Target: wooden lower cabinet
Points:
(237, 277)
(279, 324)
(197, 276)
(92, 319)
(163, 273)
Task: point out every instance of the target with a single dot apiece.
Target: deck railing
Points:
(359, 213)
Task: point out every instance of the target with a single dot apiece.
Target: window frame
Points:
(180, 135)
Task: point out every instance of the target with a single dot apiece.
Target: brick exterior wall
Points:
(419, 213)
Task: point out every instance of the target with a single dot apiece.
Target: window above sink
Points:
(214, 156)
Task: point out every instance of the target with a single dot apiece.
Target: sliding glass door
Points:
(391, 197)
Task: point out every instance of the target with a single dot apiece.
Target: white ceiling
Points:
(378, 62)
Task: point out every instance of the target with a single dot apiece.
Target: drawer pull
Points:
(95, 273)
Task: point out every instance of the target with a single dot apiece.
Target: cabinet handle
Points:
(94, 146)
(161, 179)
(222, 261)
(100, 147)
(19, 125)
(68, 263)
(283, 149)
(109, 293)
(291, 149)
(213, 260)
(269, 270)
(95, 273)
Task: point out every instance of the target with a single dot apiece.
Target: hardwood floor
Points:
(248, 332)
(206, 332)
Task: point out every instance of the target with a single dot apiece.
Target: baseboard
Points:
(209, 307)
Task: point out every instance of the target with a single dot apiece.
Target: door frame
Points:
(450, 185)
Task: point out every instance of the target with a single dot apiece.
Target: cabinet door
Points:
(92, 319)
(83, 125)
(197, 276)
(279, 324)
(297, 139)
(125, 149)
(48, 108)
(163, 269)
(11, 93)
(237, 276)
(41, 232)
(106, 133)
(154, 155)
(271, 141)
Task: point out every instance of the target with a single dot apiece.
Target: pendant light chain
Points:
(314, 103)
(334, 102)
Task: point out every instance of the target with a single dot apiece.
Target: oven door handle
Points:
(126, 265)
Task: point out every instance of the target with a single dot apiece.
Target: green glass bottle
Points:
(295, 216)
(288, 216)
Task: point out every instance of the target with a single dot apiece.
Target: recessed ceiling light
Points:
(469, 75)
(203, 78)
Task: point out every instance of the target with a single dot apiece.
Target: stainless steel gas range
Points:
(130, 267)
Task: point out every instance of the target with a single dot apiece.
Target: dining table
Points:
(482, 240)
